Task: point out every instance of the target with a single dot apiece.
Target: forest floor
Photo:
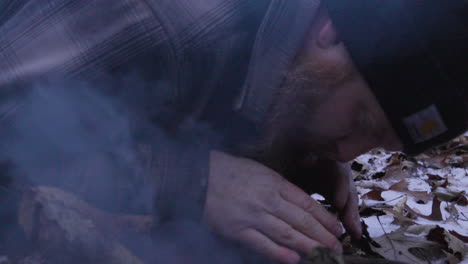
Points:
(415, 210)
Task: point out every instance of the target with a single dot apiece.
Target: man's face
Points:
(338, 115)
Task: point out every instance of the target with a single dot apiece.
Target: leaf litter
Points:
(415, 210)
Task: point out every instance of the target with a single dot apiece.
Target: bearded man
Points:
(253, 104)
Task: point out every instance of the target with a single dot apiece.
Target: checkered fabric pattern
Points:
(204, 46)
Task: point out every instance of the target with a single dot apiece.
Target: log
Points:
(64, 226)
(327, 256)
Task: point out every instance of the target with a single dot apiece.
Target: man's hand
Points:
(334, 181)
(251, 203)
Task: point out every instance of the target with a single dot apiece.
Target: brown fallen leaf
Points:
(451, 221)
(436, 234)
(377, 209)
(378, 175)
(402, 186)
(455, 144)
(401, 208)
(434, 177)
(450, 243)
(445, 184)
(369, 211)
(437, 184)
(462, 201)
(395, 174)
(452, 209)
(402, 214)
(447, 195)
(419, 229)
(394, 159)
(402, 221)
(399, 247)
(457, 235)
(436, 214)
(438, 161)
(375, 195)
(356, 166)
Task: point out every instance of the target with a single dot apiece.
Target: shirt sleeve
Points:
(180, 166)
(49, 136)
(73, 138)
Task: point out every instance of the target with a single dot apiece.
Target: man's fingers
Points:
(284, 234)
(267, 247)
(297, 197)
(305, 223)
(343, 176)
(350, 216)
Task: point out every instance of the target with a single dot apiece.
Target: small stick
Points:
(390, 200)
(389, 240)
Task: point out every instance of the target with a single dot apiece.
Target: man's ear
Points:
(327, 35)
(325, 53)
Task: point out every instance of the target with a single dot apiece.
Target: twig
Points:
(391, 199)
(454, 148)
(463, 216)
(389, 240)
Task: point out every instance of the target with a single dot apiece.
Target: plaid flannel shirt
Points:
(196, 48)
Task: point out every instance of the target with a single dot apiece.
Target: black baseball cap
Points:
(414, 56)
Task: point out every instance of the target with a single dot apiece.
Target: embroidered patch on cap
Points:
(425, 125)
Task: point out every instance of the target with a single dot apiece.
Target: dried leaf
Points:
(366, 211)
(462, 201)
(396, 246)
(448, 241)
(402, 186)
(356, 166)
(434, 177)
(400, 206)
(395, 174)
(402, 221)
(395, 159)
(409, 212)
(452, 209)
(438, 162)
(437, 235)
(445, 184)
(457, 235)
(450, 221)
(436, 214)
(456, 246)
(375, 195)
(378, 175)
(447, 195)
(420, 229)
(402, 216)
(379, 185)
